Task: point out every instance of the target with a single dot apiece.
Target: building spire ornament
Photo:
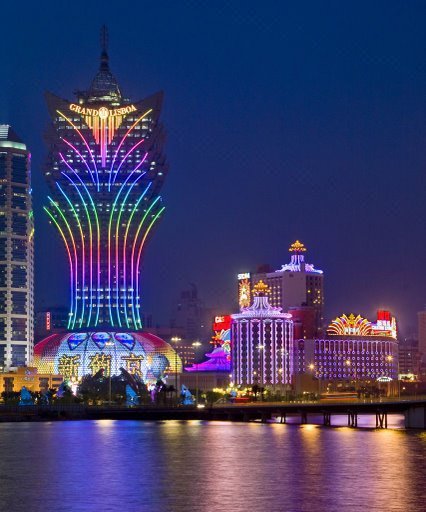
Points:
(297, 247)
(260, 289)
(297, 262)
(104, 47)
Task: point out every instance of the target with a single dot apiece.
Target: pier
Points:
(302, 413)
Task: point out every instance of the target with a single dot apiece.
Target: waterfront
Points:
(208, 466)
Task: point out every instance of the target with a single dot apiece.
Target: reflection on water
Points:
(194, 466)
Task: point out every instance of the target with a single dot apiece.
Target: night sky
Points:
(285, 120)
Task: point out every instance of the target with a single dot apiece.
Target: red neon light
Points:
(222, 323)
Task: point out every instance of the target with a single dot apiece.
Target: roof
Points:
(7, 133)
(9, 138)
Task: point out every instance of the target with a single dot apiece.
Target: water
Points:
(193, 466)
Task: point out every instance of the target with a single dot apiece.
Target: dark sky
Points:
(285, 120)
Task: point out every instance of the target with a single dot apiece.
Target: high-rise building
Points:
(16, 252)
(262, 343)
(191, 316)
(409, 358)
(421, 317)
(105, 169)
(296, 284)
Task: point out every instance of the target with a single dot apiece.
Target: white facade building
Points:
(262, 343)
(16, 252)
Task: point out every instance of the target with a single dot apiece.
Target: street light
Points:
(262, 376)
(311, 366)
(176, 339)
(389, 358)
(196, 344)
(348, 363)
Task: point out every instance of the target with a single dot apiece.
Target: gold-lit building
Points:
(30, 378)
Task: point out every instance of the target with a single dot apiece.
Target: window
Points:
(3, 170)
(19, 329)
(3, 194)
(19, 198)
(19, 250)
(19, 223)
(19, 302)
(2, 356)
(44, 383)
(18, 355)
(19, 276)
(3, 275)
(8, 384)
(19, 169)
(3, 298)
(3, 227)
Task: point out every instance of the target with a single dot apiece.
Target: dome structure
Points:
(75, 354)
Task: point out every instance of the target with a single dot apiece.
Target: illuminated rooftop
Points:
(297, 261)
(9, 138)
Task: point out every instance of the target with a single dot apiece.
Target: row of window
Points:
(19, 168)
(18, 355)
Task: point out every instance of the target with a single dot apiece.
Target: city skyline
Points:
(340, 154)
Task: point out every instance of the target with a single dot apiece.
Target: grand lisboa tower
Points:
(105, 168)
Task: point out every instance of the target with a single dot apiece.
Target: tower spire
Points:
(104, 47)
(104, 86)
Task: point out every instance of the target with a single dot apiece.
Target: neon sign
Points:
(245, 275)
(358, 326)
(244, 293)
(102, 112)
(48, 321)
(103, 122)
(222, 322)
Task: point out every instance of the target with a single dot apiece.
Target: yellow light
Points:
(261, 288)
(297, 247)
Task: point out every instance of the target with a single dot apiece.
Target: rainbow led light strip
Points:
(104, 227)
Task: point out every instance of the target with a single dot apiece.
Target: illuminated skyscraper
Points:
(16, 252)
(105, 169)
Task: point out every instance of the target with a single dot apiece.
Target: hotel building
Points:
(16, 252)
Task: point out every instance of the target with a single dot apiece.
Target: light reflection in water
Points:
(218, 466)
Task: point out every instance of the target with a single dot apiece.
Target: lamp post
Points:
(280, 377)
(312, 368)
(262, 376)
(196, 344)
(283, 371)
(176, 340)
(109, 388)
(348, 363)
(389, 358)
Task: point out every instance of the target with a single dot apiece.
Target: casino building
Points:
(262, 343)
(354, 349)
(105, 169)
